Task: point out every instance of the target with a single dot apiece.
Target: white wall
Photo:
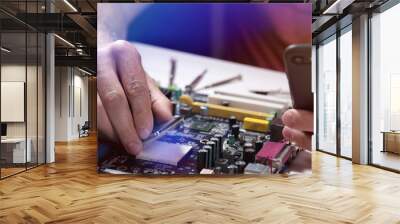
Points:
(12, 73)
(62, 82)
(33, 126)
(70, 83)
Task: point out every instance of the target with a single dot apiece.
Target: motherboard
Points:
(208, 139)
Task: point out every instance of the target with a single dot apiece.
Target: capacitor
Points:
(241, 165)
(218, 170)
(235, 131)
(217, 147)
(202, 160)
(220, 152)
(213, 146)
(258, 145)
(249, 155)
(223, 163)
(247, 145)
(232, 121)
(209, 155)
(232, 169)
(174, 108)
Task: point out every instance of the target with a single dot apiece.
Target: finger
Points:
(132, 76)
(297, 137)
(299, 119)
(160, 104)
(115, 103)
(104, 127)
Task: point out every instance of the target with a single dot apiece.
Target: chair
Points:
(84, 130)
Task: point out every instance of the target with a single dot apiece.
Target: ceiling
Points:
(72, 20)
(75, 21)
(332, 15)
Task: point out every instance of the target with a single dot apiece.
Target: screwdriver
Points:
(222, 82)
(189, 88)
(196, 81)
(172, 72)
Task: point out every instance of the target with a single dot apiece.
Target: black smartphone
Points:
(297, 60)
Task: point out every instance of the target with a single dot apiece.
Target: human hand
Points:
(298, 127)
(127, 99)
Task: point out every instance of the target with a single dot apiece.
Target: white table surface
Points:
(13, 140)
(156, 62)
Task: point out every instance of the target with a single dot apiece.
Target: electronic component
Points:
(217, 147)
(241, 165)
(269, 151)
(282, 158)
(175, 107)
(209, 150)
(258, 145)
(202, 126)
(254, 124)
(249, 155)
(223, 164)
(232, 169)
(231, 139)
(235, 131)
(204, 110)
(256, 168)
(202, 159)
(223, 111)
(232, 121)
(207, 139)
(164, 152)
(218, 170)
(229, 153)
(207, 171)
(213, 152)
(245, 103)
(247, 145)
(276, 128)
(269, 98)
(185, 110)
(220, 144)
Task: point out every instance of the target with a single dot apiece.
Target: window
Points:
(346, 92)
(22, 77)
(326, 133)
(385, 89)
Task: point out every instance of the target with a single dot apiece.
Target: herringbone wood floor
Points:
(70, 191)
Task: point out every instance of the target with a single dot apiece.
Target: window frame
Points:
(342, 28)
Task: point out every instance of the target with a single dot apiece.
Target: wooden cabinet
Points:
(391, 141)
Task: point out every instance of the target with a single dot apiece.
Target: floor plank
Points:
(70, 191)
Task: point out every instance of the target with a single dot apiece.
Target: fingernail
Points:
(144, 133)
(134, 148)
(287, 134)
(287, 118)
